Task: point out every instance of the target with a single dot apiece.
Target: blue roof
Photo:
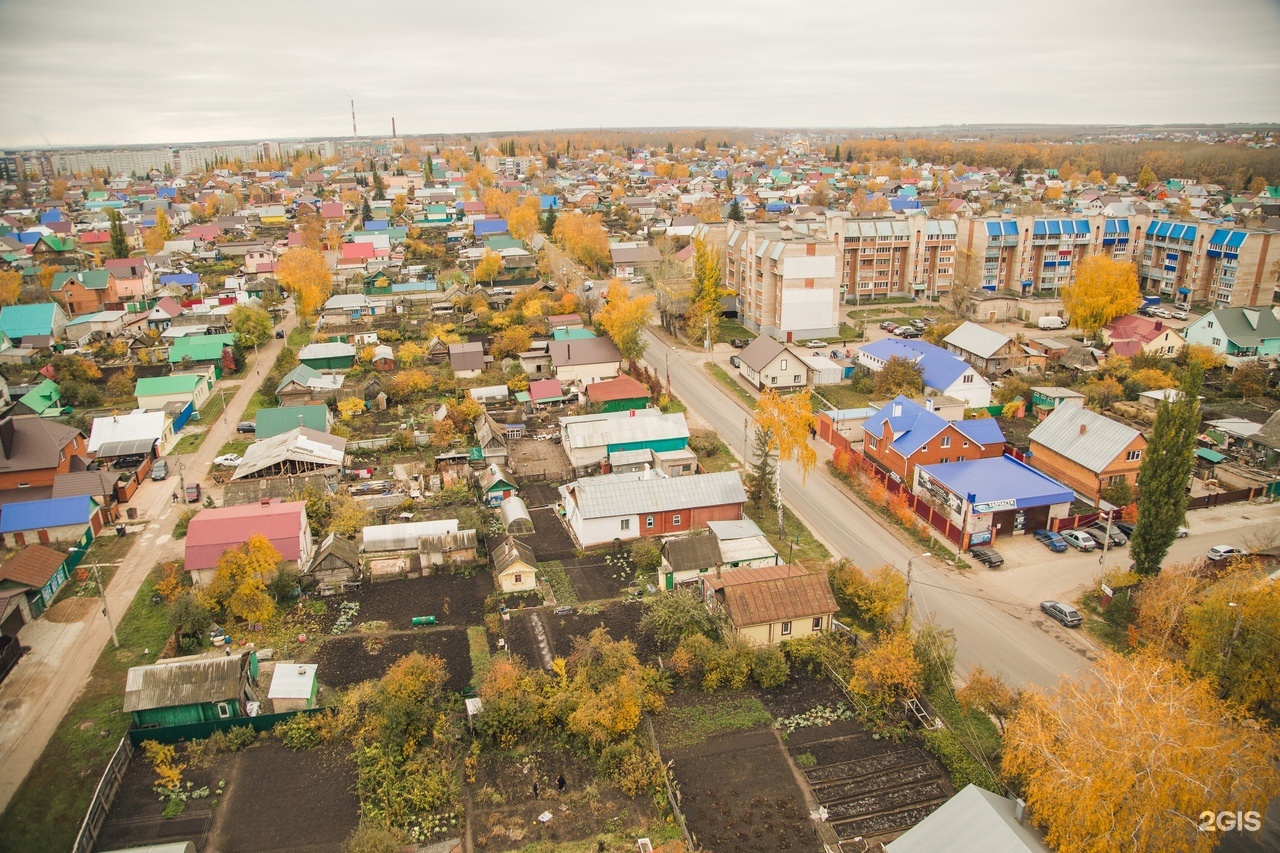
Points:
(898, 205)
(489, 226)
(56, 512)
(51, 215)
(940, 368)
(547, 202)
(18, 321)
(982, 430)
(1225, 236)
(986, 481)
(913, 426)
(166, 192)
(375, 225)
(186, 279)
(29, 238)
(1006, 228)
(1116, 226)
(720, 173)
(776, 207)
(1172, 230)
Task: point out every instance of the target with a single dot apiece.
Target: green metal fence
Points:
(199, 731)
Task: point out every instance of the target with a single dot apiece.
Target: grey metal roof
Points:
(1084, 437)
(606, 431)
(511, 551)
(974, 819)
(404, 537)
(587, 351)
(184, 681)
(743, 528)
(644, 491)
(300, 444)
(332, 349)
(1247, 327)
(127, 447)
(975, 339)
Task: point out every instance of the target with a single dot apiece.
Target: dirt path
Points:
(40, 690)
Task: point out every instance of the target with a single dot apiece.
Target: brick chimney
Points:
(1083, 427)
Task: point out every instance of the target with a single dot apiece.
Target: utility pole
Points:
(1235, 632)
(906, 603)
(102, 593)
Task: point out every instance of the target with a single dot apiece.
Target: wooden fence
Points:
(103, 796)
(673, 789)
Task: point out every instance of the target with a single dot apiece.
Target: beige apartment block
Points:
(787, 283)
(1210, 263)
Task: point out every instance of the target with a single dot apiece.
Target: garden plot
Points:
(453, 599)
(620, 618)
(530, 459)
(503, 814)
(599, 576)
(312, 797)
(870, 786)
(549, 539)
(353, 658)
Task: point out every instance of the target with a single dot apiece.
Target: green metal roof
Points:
(1213, 457)
(181, 383)
(271, 422)
(200, 347)
(91, 279)
(44, 395)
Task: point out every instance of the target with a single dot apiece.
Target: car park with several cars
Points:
(907, 332)
(888, 325)
(1100, 534)
(1064, 613)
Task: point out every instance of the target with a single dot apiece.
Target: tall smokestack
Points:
(354, 132)
(393, 127)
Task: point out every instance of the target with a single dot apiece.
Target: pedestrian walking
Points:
(535, 790)
(560, 783)
(175, 497)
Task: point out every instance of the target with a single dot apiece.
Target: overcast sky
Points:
(78, 72)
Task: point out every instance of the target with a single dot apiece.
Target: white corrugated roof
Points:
(979, 340)
(404, 537)
(645, 491)
(292, 680)
(1101, 441)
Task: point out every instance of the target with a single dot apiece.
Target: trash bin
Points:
(120, 531)
(132, 512)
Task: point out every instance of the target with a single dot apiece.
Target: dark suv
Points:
(988, 556)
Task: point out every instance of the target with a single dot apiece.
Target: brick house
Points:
(35, 450)
(646, 503)
(1086, 451)
(86, 292)
(905, 434)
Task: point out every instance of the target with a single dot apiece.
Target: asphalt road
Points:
(991, 628)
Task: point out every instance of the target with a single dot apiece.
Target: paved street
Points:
(40, 690)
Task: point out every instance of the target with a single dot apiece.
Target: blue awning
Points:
(1220, 237)
(993, 229)
(1011, 229)
(1039, 228)
(1082, 227)
(1236, 240)
(1106, 241)
(1050, 263)
(1184, 290)
(1065, 263)
(1170, 267)
(1214, 253)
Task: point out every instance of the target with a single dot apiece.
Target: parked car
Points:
(1222, 552)
(907, 332)
(280, 334)
(1179, 314)
(888, 325)
(1051, 322)
(160, 470)
(1078, 540)
(1051, 540)
(1064, 613)
(928, 321)
(1099, 533)
(194, 493)
(737, 343)
(918, 324)
(987, 556)
(815, 344)
(1161, 312)
(246, 426)
(132, 461)
(735, 361)
(230, 460)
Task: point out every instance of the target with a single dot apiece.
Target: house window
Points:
(648, 521)
(1133, 456)
(944, 460)
(675, 520)
(773, 380)
(626, 524)
(968, 379)
(519, 578)
(817, 623)
(796, 379)
(786, 629)
(1217, 342)
(946, 442)
(224, 711)
(782, 365)
(873, 442)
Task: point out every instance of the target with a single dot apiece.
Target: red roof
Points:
(1133, 327)
(545, 389)
(90, 238)
(622, 388)
(203, 232)
(357, 251)
(214, 531)
(332, 210)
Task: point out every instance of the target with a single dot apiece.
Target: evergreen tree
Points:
(760, 481)
(848, 156)
(366, 214)
(735, 211)
(670, 147)
(379, 191)
(549, 221)
(427, 168)
(475, 154)
(837, 157)
(119, 248)
(1165, 475)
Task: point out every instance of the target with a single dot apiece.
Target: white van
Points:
(1051, 323)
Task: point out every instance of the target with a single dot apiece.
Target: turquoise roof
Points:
(18, 321)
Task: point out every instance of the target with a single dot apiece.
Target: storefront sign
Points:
(996, 506)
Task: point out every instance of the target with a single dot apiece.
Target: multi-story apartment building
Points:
(1208, 263)
(787, 282)
(885, 257)
(1036, 255)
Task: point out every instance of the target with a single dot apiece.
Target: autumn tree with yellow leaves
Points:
(783, 425)
(157, 235)
(489, 267)
(239, 585)
(305, 273)
(10, 287)
(523, 220)
(624, 318)
(1104, 289)
(1128, 755)
(584, 238)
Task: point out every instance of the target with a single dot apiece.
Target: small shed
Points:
(383, 358)
(404, 537)
(496, 486)
(457, 547)
(192, 689)
(336, 563)
(515, 516)
(328, 356)
(293, 687)
(514, 566)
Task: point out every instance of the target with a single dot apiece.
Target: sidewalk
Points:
(37, 694)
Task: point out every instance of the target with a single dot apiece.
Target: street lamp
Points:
(103, 593)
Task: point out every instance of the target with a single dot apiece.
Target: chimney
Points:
(1159, 325)
(1083, 427)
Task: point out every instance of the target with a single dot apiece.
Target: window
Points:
(675, 520)
(786, 629)
(944, 460)
(817, 623)
(968, 379)
(782, 365)
(626, 524)
(224, 710)
(1133, 456)
(648, 522)
(946, 441)
(773, 380)
(796, 379)
(873, 442)
(1116, 479)
(1217, 342)
(518, 579)
(966, 444)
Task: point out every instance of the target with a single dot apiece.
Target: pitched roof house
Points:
(585, 361)
(33, 451)
(646, 503)
(905, 434)
(768, 605)
(1235, 332)
(1131, 334)
(515, 566)
(986, 349)
(1086, 451)
(944, 372)
(87, 291)
(769, 363)
(214, 531)
(192, 689)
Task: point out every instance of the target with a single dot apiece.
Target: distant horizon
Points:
(1080, 128)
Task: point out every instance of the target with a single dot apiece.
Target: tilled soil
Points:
(453, 599)
(352, 658)
(599, 576)
(620, 618)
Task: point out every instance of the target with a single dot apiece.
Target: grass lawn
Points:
(714, 457)
(841, 396)
(729, 382)
(47, 809)
(730, 329)
(848, 333)
(808, 550)
(478, 643)
(261, 399)
(298, 338)
(209, 412)
(974, 728)
(558, 579)
(690, 724)
(189, 443)
(236, 445)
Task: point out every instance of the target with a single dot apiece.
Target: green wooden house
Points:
(328, 356)
(496, 486)
(618, 395)
(194, 689)
(201, 349)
